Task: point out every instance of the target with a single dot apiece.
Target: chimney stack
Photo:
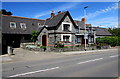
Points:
(59, 12)
(52, 14)
(83, 20)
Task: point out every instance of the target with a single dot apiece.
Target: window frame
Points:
(12, 26)
(39, 25)
(70, 28)
(22, 26)
(70, 37)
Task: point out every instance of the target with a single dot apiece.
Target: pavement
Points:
(26, 55)
(102, 63)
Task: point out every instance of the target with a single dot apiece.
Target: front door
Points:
(44, 40)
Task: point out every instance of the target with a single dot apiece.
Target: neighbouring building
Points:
(102, 32)
(58, 28)
(16, 30)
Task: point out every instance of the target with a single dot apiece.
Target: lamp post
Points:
(85, 36)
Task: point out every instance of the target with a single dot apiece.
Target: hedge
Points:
(110, 40)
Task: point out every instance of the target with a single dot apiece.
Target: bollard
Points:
(10, 50)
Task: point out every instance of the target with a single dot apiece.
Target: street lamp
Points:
(85, 36)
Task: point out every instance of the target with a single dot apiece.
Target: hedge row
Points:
(110, 40)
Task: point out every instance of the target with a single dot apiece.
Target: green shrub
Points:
(110, 40)
(43, 47)
(34, 36)
(65, 47)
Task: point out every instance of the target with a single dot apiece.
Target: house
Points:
(90, 32)
(60, 28)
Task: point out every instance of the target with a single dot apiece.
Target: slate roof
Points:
(31, 24)
(102, 31)
(80, 24)
(57, 19)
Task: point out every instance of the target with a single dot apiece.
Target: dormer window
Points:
(23, 26)
(12, 25)
(39, 24)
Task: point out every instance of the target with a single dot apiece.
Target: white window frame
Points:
(12, 26)
(66, 23)
(22, 26)
(39, 25)
(70, 38)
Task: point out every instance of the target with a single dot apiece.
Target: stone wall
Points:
(64, 49)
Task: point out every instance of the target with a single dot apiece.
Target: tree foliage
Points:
(3, 11)
(115, 31)
(34, 36)
(111, 40)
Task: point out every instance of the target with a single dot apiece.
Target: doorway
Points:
(44, 40)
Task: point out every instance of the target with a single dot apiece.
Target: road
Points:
(98, 64)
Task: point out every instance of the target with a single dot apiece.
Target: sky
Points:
(103, 14)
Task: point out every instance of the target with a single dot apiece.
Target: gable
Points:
(67, 19)
(58, 19)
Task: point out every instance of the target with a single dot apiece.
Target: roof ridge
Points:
(56, 15)
(23, 17)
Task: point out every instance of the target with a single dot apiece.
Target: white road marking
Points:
(102, 50)
(90, 60)
(33, 72)
(113, 56)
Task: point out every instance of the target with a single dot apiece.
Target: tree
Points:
(3, 11)
(115, 31)
(9, 13)
(34, 36)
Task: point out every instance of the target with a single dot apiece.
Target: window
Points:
(66, 27)
(78, 39)
(66, 38)
(91, 39)
(12, 25)
(39, 25)
(23, 26)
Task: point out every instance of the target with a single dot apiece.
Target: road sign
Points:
(86, 36)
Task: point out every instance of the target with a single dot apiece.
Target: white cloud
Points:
(105, 22)
(96, 13)
(64, 7)
(110, 8)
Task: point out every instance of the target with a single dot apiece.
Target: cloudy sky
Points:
(104, 14)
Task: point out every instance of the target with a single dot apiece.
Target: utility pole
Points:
(85, 36)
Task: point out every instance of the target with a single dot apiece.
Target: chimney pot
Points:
(83, 20)
(59, 12)
(52, 14)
